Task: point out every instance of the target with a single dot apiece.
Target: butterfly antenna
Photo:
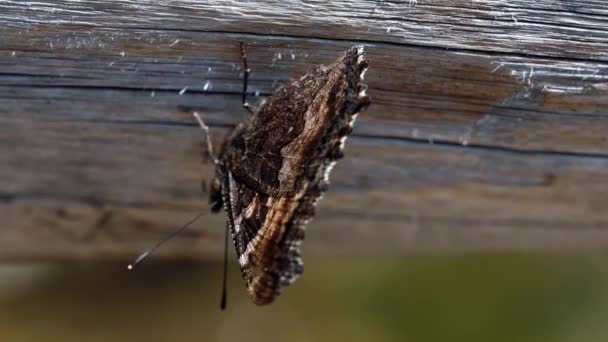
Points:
(224, 283)
(143, 255)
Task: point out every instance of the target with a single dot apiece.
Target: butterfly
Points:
(274, 167)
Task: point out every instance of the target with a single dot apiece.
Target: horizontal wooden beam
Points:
(488, 127)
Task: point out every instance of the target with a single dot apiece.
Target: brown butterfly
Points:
(274, 167)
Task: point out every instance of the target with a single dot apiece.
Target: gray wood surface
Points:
(488, 128)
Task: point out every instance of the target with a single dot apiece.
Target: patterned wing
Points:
(276, 167)
(258, 224)
(295, 129)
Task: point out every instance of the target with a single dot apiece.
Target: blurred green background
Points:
(407, 298)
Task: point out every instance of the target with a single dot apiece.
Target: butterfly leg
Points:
(225, 280)
(207, 136)
(246, 104)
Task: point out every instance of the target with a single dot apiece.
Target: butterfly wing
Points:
(276, 166)
(299, 126)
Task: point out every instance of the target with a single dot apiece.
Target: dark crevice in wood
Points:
(165, 123)
(92, 201)
(482, 147)
(431, 142)
(118, 88)
(548, 113)
(519, 109)
(20, 74)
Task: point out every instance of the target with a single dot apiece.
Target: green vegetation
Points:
(495, 298)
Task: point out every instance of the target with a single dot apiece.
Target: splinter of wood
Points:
(378, 4)
(245, 78)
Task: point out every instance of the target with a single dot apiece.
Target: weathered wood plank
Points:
(502, 101)
(488, 127)
(448, 196)
(562, 29)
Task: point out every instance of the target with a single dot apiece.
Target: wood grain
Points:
(488, 128)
